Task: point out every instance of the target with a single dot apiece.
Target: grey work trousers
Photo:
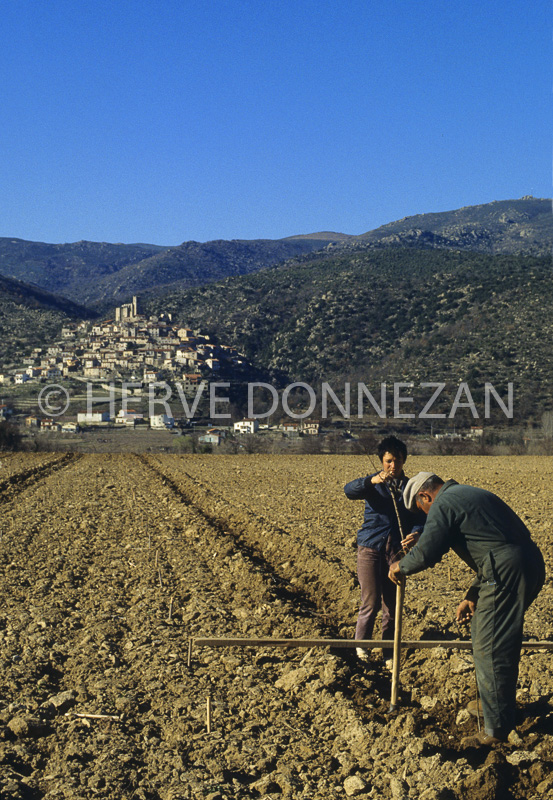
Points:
(377, 591)
(512, 579)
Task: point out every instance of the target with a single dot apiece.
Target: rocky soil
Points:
(111, 564)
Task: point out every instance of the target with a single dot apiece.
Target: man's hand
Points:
(465, 611)
(382, 477)
(394, 574)
(410, 540)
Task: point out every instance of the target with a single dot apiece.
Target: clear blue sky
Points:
(168, 120)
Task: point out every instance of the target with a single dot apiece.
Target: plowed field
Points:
(110, 564)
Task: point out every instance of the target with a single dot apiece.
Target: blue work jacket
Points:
(380, 519)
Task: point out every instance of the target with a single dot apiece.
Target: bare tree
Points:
(547, 424)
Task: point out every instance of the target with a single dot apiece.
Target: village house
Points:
(311, 427)
(185, 333)
(49, 424)
(212, 436)
(290, 428)
(33, 372)
(161, 421)
(129, 417)
(70, 427)
(93, 418)
(151, 376)
(246, 426)
(190, 382)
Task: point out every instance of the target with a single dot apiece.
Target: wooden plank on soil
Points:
(423, 644)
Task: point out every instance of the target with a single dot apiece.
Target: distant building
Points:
(161, 421)
(212, 436)
(311, 427)
(49, 424)
(70, 427)
(246, 426)
(129, 417)
(94, 418)
(127, 310)
(151, 376)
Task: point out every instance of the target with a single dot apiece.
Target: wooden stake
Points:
(171, 607)
(190, 646)
(208, 715)
(400, 594)
(91, 716)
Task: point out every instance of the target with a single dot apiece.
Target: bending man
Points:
(510, 572)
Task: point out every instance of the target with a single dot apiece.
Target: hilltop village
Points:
(129, 347)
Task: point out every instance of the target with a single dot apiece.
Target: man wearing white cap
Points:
(487, 534)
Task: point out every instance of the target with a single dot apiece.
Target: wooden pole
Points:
(347, 644)
(400, 595)
(190, 646)
(208, 715)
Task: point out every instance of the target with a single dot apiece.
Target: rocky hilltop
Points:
(98, 273)
(506, 226)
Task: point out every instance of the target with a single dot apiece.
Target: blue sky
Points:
(168, 120)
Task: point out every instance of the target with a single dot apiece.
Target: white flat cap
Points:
(413, 487)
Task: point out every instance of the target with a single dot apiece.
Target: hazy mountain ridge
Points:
(196, 263)
(66, 268)
(101, 273)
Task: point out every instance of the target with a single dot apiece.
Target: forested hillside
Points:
(389, 315)
(30, 316)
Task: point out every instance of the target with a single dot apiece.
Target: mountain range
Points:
(450, 296)
(100, 274)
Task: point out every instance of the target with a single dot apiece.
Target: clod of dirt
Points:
(354, 785)
(60, 703)
(27, 726)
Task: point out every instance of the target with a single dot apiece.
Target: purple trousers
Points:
(377, 591)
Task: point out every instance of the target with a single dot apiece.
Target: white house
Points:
(246, 426)
(151, 376)
(94, 418)
(161, 421)
(70, 427)
(128, 417)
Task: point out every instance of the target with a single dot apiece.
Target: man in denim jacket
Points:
(378, 540)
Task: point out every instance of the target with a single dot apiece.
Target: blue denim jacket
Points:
(380, 519)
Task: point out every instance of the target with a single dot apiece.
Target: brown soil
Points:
(111, 563)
